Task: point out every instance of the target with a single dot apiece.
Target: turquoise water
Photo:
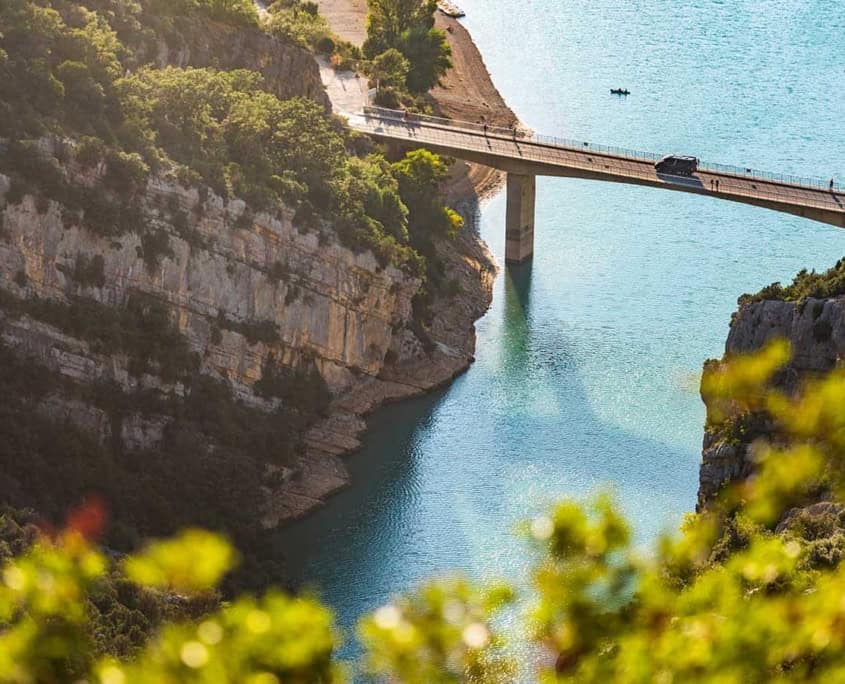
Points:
(588, 361)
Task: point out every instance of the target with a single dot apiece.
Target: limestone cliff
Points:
(189, 357)
(222, 274)
(288, 70)
(815, 329)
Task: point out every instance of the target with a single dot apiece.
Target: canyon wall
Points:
(157, 338)
(815, 329)
(247, 293)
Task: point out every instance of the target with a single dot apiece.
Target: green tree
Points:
(408, 26)
(236, 135)
(300, 22)
(390, 69)
(428, 53)
(420, 175)
(388, 20)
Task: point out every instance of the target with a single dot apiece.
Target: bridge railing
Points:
(585, 146)
(410, 117)
(450, 136)
(785, 178)
(593, 147)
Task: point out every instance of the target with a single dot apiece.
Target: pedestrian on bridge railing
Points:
(831, 184)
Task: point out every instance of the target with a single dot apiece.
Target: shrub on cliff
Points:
(806, 284)
(301, 23)
(420, 174)
(239, 12)
(390, 69)
(302, 387)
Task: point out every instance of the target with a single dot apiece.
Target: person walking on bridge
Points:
(831, 184)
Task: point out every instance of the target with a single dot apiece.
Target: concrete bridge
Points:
(525, 156)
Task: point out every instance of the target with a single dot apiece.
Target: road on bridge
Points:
(537, 155)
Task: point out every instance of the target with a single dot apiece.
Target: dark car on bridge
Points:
(677, 165)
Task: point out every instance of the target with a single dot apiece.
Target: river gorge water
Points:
(588, 361)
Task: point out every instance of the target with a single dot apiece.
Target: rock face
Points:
(815, 329)
(222, 273)
(411, 367)
(288, 70)
(328, 304)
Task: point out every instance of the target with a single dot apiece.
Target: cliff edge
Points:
(810, 315)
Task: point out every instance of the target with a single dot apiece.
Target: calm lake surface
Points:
(589, 360)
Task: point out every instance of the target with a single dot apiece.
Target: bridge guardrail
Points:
(744, 172)
(542, 152)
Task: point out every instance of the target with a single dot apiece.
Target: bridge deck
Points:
(535, 155)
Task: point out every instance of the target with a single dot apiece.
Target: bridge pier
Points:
(519, 221)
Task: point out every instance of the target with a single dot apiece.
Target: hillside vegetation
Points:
(407, 55)
(64, 70)
(806, 284)
(99, 101)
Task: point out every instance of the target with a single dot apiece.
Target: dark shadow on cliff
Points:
(352, 536)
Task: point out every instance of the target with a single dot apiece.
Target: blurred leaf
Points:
(194, 561)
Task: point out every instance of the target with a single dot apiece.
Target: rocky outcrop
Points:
(815, 329)
(721, 463)
(288, 70)
(246, 294)
(327, 303)
(411, 368)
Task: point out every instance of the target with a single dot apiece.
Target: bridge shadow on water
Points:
(550, 430)
(442, 480)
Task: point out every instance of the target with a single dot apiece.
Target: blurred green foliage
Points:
(440, 633)
(727, 599)
(162, 565)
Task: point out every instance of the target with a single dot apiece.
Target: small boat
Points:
(620, 91)
(450, 9)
